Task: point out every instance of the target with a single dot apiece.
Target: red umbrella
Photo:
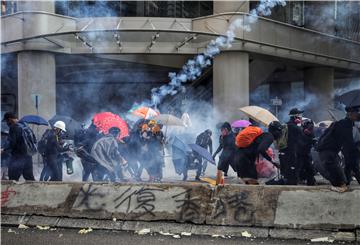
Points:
(106, 120)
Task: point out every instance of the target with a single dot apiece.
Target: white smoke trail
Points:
(194, 67)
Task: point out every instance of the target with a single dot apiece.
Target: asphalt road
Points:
(34, 236)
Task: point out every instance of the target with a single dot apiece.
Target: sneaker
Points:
(340, 189)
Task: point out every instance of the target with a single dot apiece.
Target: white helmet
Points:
(60, 125)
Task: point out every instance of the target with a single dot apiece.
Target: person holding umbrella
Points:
(339, 137)
(204, 140)
(21, 145)
(53, 146)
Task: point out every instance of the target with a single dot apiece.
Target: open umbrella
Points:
(202, 152)
(351, 98)
(326, 123)
(106, 120)
(72, 126)
(168, 120)
(179, 154)
(34, 119)
(240, 124)
(145, 112)
(259, 114)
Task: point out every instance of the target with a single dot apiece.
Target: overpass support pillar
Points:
(36, 84)
(319, 83)
(230, 84)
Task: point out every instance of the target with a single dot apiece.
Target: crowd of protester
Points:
(303, 150)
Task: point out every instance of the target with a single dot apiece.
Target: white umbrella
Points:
(168, 120)
(259, 114)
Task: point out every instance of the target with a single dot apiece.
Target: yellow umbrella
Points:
(259, 114)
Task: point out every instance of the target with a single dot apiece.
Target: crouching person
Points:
(109, 160)
(251, 143)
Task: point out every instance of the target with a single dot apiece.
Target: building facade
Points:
(79, 57)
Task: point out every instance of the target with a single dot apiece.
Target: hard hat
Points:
(60, 125)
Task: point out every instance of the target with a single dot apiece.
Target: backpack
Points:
(247, 136)
(325, 137)
(43, 142)
(29, 140)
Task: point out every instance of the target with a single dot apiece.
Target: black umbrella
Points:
(179, 154)
(202, 152)
(34, 119)
(72, 126)
(351, 98)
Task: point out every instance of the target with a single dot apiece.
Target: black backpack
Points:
(325, 137)
(43, 142)
(29, 140)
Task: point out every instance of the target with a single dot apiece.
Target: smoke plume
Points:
(194, 67)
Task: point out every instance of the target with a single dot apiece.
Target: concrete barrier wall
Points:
(234, 205)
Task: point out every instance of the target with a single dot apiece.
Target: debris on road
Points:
(185, 233)
(166, 233)
(143, 231)
(176, 236)
(322, 239)
(11, 231)
(85, 231)
(21, 226)
(43, 227)
(245, 234)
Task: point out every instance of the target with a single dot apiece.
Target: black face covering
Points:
(276, 134)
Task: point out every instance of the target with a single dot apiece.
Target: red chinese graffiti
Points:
(6, 195)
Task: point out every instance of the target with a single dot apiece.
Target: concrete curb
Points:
(178, 228)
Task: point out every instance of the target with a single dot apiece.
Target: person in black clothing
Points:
(307, 141)
(84, 143)
(289, 164)
(204, 140)
(246, 157)
(338, 137)
(54, 147)
(20, 162)
(227, 146)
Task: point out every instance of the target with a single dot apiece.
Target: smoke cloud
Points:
(194, 67)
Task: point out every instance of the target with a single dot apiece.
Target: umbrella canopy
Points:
(106, 120)
(327, 123)
(72, 126)
(240, 124)
(168, 120)
(202, 152)
(259, 114)
(34, 119)
(351, 98)
(145, 112)
(179, 154)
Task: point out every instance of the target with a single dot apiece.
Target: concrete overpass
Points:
(169, 42)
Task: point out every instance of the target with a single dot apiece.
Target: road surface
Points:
(34, 236)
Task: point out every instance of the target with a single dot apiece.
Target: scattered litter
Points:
(322, 239)
(143, 231)
(216, 236)
(176, 236)
(60, 235)
(166, 233)
(21, 226)
(46, 227)
(85, 231)
(245, 234)
(186, 233)
(11, 231)
(53, 229)
(114, 219)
